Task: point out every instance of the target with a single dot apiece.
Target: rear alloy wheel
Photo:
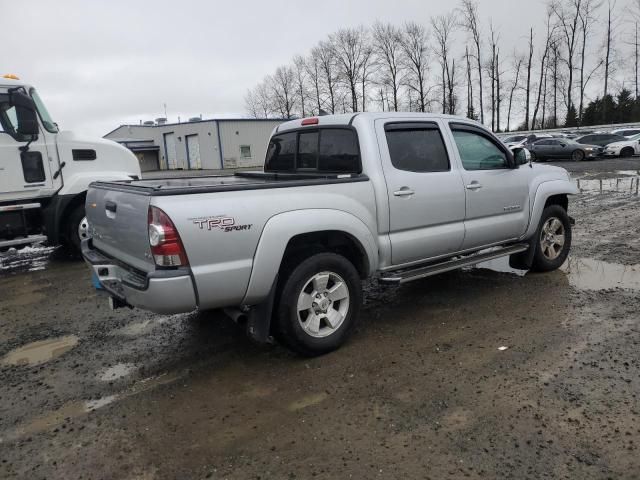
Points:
(318, 304)
(577, 156)
(553, 239)
(627, 152)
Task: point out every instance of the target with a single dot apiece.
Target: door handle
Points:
(474, 186)
(111, 207)
(404, 192)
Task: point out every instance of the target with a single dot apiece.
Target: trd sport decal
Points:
(221, 222)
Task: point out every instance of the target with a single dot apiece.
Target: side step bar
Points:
(417, 273)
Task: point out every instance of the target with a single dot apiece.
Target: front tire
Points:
(553, 239)
(77, 229)
(577, 156)
(627, 152)
(319, 301)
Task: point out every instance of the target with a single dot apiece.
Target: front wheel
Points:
(627, 152)
(577, 156)
(318, 304)
(553, 239)
(77, 229)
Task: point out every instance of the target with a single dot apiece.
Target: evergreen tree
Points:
(572, 117)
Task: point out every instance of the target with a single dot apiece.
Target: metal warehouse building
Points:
(197, 144)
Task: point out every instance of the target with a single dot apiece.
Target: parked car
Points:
(626, 148)
(600, 139)
(513, 139)
(526, 140)
(341, 198)
(550, 148)
(627, 132)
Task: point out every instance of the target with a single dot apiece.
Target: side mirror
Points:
(26, 115)
(521, 155)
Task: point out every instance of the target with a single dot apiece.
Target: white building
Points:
(197, 144)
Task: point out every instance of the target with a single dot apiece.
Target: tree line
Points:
(579, 67)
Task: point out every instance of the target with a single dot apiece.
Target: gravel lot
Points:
(424, 389)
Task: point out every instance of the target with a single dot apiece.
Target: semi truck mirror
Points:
(26, 115)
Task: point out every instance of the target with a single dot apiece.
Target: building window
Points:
(245, 151)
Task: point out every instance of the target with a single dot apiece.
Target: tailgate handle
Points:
(111, 207)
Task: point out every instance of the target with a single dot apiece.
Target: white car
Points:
(627, 148)
(627, 132)
(519, 141)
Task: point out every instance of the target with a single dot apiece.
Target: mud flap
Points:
(524, 260)
(259, 317)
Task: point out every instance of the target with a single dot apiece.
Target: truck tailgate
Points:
(118, 225)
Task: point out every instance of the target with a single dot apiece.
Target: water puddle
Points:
(40, 352)
(627, 184)
(583, 273)
(590, 274)
(91, 405)
(117, 372)
(27, 259)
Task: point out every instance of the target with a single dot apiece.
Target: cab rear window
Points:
(323, 150)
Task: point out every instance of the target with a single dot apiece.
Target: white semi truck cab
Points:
(45, 172)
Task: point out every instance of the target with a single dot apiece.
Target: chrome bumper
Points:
(160, 291)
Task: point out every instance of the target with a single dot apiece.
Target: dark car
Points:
(601, 139)
(550, 148)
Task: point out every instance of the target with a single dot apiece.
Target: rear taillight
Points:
(166, 246)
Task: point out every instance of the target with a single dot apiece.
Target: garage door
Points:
(170, 150)
(193, 151)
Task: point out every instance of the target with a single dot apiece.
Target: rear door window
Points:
(416, 148)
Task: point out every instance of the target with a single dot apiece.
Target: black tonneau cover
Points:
(226, 183)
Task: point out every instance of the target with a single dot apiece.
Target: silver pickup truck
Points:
(342, 198)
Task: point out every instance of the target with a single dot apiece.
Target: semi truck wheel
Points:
(318, 304)
(77, 229)
(553, 239)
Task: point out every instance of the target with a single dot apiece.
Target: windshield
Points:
(47, 122)
(635, 137)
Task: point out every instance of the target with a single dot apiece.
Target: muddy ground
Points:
(424, 389)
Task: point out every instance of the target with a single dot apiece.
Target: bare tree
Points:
(470, 111)
(543, 65)
(587, 18)
(517, 67)
(527, 104)
(282, 85)
(367, 69)
(414, 41)
(469, 9)
(314, 73)
(350, 46)
(299, 68)
(325, 55)
(388, 46)
(251, 104)
(608, 45)
(567, 16)
(443, 28)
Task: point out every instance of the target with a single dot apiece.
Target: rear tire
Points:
(627, 152)
(552, 240)
(76, 230)
(318, 304)
(534, 157)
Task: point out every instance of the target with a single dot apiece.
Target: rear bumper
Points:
(160, 291)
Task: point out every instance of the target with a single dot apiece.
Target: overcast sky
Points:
(98, 64)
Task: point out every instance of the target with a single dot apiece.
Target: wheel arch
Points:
(555, 192)
(304, 232)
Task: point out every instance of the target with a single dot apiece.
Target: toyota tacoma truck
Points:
(341, 198)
